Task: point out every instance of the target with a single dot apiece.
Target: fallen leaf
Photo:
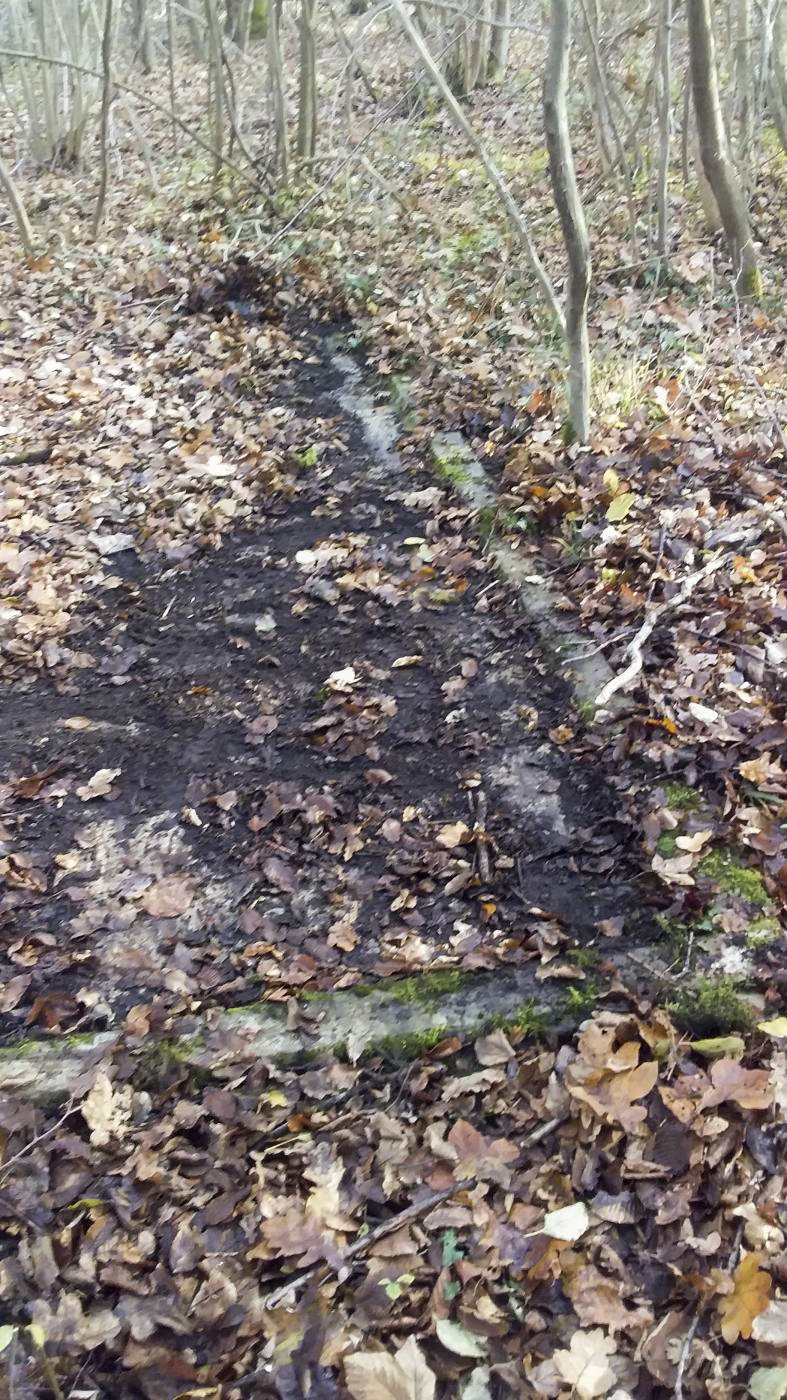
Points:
(768, 1383)
(168, 897)
(777, 1028)
(771, 1324)
(568, 1223)
(106, 1110)
(749, 1297)
(617, 510)
(493, 1049)
(376, 1375)
(457, 1339)
(100, 785)
(584, 1366)
(402, 661)
(452, 835)
(748, 1088)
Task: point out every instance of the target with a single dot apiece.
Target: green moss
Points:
(682, 798)
(711, 1007)
(577, 1000)
(410, 1044)
(485, 521)
(525, 1018)
(762, 931)
(667, 844)
(427, 988)
(258, 23)
(726, 869)
(586, 958)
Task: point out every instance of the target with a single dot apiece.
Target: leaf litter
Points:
(206, 801)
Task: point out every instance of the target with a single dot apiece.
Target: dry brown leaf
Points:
(100, 785)
(169, 897)
(748, 1088)
(493, 1049)
(453, 834)
(376, 1375)
(585, 1364)
(106, 1109)
(749, 1297)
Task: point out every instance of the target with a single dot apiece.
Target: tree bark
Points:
(106, 100)
(307, 84)
(277, 96)
(498, 47)
(665, 132)
(18, 210)
(714, 151)
(572, 219)
(142, 40)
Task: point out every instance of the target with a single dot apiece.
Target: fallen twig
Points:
(70, 1108)
(358, 1246)
(634, 648)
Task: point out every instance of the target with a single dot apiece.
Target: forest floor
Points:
(273, 729)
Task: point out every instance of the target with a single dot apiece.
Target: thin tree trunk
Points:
(744, 88)
(142, 41)
(665, 132)
(307, 84)
(513, 214)
(106, 100)
(18, 210)
(218, 104)
(277, 97)
(714, 151)
(572, 219)
(498, 47)
(171, 47)
(778, 83)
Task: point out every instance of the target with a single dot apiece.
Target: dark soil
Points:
(303, 812)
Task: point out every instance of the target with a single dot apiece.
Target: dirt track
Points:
(336, 744)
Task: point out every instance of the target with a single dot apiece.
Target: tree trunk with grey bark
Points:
(714, 151)
(572, 219)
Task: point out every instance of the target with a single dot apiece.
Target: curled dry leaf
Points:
(100, 785)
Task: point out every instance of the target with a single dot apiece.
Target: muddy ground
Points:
(327, 750)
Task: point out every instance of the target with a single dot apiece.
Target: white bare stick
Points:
(634, 648)
(513, 214)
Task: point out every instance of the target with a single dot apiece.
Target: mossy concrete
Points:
(402, 1018)
(586, 672)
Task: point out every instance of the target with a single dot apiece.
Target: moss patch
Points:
(667, 844)
(725, 867)
(682, 798)
(410, 1044)
(712, 1006)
